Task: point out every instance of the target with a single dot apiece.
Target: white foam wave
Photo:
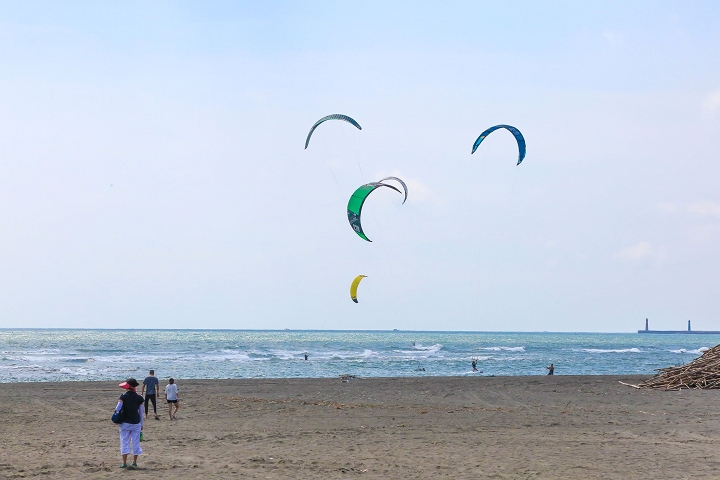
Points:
(504, 349)
(226, 356)
(697, 351)
(432, 348)
(82, 372)
(48, 358)
(619, 350)
(40, 351)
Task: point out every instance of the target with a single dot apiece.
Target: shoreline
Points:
(559, 426)
(338, 378)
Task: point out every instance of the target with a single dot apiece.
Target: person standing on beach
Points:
(171, 395)
(152, 383)
(130, 408)
(551, 369)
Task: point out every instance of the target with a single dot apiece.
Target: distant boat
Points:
(679, 332)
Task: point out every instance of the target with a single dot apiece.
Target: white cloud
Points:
(712, 101)
(706, 233)
(706, 208)
(669, 207)
(613, 38)
(643, 251)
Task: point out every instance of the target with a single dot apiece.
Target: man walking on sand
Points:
(171, 395)
(151, 382)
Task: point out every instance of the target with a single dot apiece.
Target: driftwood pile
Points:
(701, 373)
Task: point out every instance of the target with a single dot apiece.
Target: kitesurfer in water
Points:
(474, 364)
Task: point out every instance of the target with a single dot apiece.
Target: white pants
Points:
(130, 432)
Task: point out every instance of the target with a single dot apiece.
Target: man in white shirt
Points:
(171, 395)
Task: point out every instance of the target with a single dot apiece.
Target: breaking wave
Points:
(620, 350)
(697, 351)
(503, 349)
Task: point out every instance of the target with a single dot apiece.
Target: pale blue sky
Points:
(152, 171)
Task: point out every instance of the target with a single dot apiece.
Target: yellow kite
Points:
(354, 287)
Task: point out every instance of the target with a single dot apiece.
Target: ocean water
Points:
(61, 355)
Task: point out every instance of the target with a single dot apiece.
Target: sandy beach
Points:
(478, 427)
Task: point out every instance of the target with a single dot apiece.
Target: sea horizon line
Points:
(539, 332)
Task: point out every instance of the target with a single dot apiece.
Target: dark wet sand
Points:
(477, 427)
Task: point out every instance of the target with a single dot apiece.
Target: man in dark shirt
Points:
(151, 383)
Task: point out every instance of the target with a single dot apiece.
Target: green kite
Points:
(355, 205)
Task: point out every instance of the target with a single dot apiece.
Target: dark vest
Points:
(131, 403)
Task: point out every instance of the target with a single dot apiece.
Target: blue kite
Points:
(518, 136)
(334, 116)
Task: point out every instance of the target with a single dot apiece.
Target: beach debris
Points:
(701, 373)
(346, 377)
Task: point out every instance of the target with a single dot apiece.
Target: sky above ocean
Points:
(153, 171)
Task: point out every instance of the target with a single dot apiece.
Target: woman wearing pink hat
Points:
(130, 407)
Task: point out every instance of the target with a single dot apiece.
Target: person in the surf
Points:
(474, 364)
(306, 356)
(551, 369)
